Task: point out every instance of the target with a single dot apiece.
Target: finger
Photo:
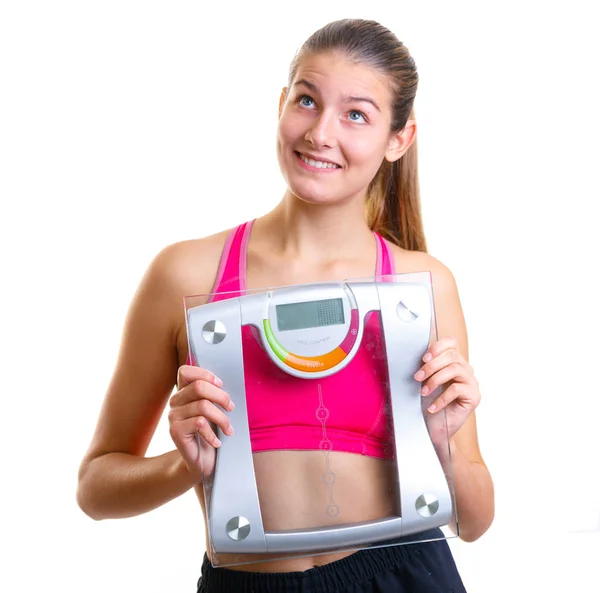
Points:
(187, 374)
(202, 390)
(456, 391)
(197, 425)
(439, 346)
(202, 408)
(447, 357)
(453, 372)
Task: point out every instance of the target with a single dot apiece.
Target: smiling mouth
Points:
(316, 164)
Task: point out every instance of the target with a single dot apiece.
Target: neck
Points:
(317, 231)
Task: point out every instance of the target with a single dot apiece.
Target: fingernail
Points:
(425, 390)
(230, 431)
(217, 442)
(231, 406)
(431, 408)
(428, 356)
(218, 382)
(419, 375)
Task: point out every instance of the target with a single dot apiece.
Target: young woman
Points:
(346, 145)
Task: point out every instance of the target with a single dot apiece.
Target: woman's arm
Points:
(472, 481)
(115, 479)
(118, 485)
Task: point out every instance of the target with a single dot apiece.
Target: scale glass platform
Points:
(333, 448)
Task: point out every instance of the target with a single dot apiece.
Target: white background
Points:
(125, 126)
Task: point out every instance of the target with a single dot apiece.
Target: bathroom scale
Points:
(310, 332)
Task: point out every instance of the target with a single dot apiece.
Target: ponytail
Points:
(394, 204)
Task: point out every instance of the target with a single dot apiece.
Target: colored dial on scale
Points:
(314, 364)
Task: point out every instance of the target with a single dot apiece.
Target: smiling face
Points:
(334, 129)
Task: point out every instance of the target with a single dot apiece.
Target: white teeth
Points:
(318, 164)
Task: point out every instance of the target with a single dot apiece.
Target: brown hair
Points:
(393, 206)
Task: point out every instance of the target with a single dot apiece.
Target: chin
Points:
(314, 191)
(313, 197)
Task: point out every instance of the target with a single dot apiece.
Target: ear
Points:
(401, 141)
(282, 99)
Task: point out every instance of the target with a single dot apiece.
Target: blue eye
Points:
(305, 98)
(356, 113)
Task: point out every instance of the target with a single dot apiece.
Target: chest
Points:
(262, 273)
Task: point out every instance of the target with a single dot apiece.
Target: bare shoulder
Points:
(179, 270)
(450, 319)
(190, 266)
(416, 261)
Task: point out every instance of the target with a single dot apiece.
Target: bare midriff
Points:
(296, 492)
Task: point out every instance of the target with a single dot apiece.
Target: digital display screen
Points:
(310, 314)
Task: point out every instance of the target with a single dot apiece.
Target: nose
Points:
(322, 133)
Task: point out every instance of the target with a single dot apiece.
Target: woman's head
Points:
(349, 103)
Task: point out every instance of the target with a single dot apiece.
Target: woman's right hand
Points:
(198, 402)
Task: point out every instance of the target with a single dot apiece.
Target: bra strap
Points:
(386, 264)
(231, 277)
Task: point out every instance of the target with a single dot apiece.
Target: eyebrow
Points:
(314, 88)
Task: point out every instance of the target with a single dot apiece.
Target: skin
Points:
(316, 233)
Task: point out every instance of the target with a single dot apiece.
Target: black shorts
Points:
(422, 567)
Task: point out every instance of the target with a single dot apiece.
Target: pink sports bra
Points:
(347, 411)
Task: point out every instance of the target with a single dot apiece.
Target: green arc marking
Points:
(279, 350)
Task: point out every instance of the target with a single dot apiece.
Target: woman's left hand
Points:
(446, 367)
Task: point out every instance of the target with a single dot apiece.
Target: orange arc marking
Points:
(315, 364)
